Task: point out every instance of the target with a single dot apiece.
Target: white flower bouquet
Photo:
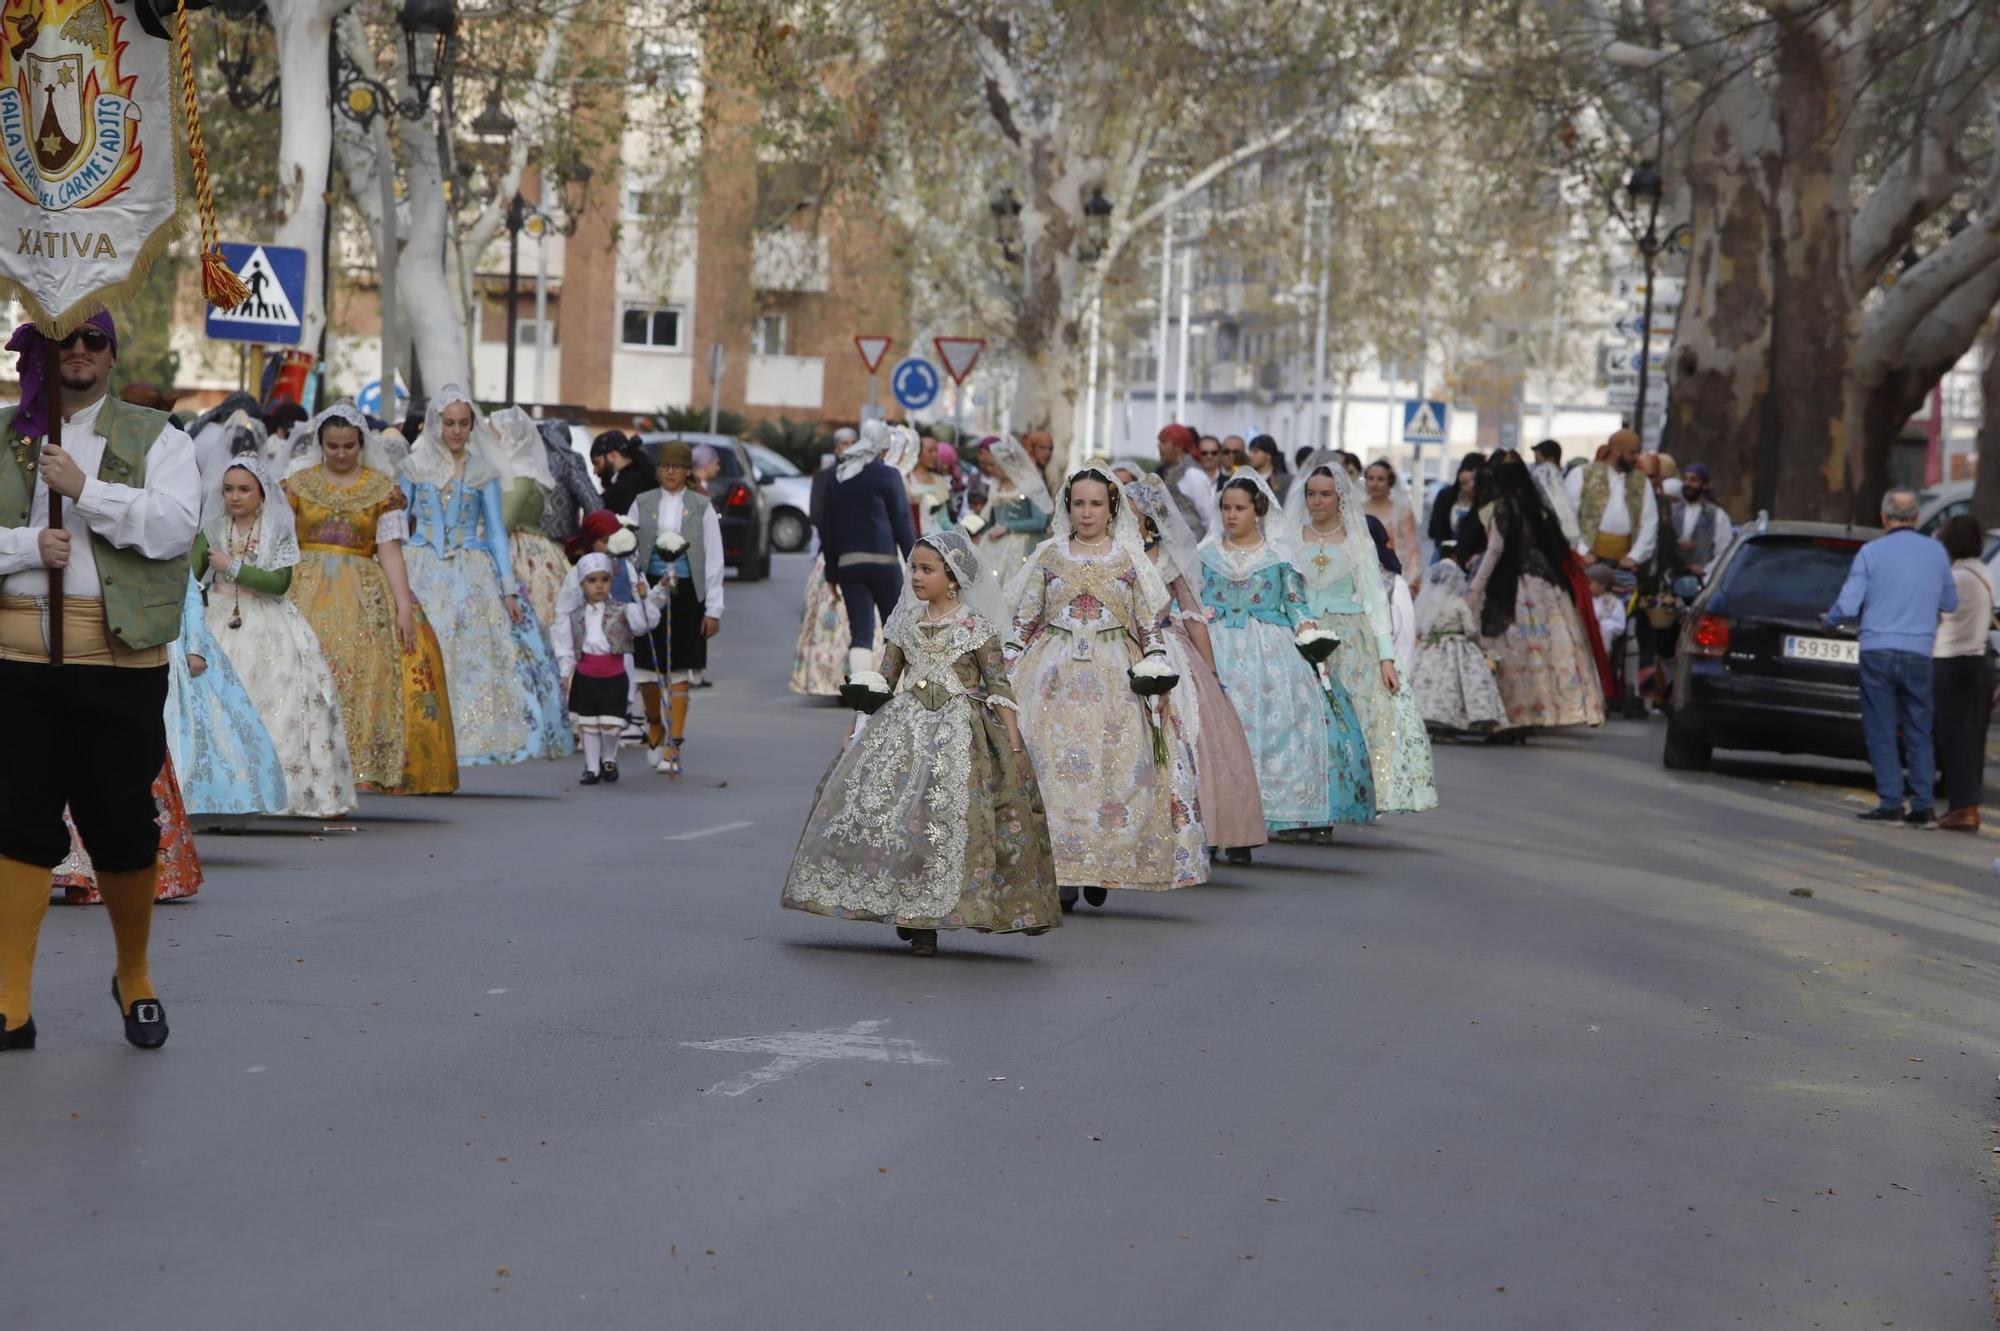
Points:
(865, 691)
(621, 542)
(972, 523)
(1153, 679)
(670, 544)
(1316, 645)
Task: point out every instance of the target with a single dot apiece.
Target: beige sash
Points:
(86, 640)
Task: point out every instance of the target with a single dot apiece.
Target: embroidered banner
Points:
(87, 153)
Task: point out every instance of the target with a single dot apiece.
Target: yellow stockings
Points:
(677, 709)
(24, 901)
(128, 900)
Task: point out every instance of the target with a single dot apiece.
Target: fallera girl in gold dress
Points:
(350, 584)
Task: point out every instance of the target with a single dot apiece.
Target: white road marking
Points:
(258, 1068)
(496, 991)
(798, 1050)
(706, 831)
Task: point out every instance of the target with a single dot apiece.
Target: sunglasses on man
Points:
(93, 340)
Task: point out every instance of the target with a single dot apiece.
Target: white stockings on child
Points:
(593, 749)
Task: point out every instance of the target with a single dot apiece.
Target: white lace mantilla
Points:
(909, 771)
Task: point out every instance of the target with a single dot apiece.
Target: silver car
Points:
(788, 495)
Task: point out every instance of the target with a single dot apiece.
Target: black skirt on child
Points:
(598, 698)
(689, 649)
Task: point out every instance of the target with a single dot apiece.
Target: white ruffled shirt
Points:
(671, 506)
(159, 520)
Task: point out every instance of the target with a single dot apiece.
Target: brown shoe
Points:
(1961, 820)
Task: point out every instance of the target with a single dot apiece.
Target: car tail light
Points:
(1710, 636)
(739, 495)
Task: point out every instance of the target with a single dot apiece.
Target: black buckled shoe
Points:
(145, 1020)
(609, 772)
(24, 1038)
(589, 778)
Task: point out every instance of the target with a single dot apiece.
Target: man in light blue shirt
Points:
(1898, 587)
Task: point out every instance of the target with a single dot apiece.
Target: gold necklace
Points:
(1097, 547)
(951, 602)
(239, 555)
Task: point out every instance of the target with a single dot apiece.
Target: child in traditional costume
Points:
(931, 819)
(1306, 737)
(1453, 681)
(1232, 812)
(592, 639)
(244, 558)
(1086, 610)
(679, 538)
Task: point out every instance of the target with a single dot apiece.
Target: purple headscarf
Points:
(34, 355)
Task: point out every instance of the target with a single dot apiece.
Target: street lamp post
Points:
(1644, 189)
(525, 216)
(517, 221)
(428, 26)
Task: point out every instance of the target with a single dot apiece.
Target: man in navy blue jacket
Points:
(865, 534)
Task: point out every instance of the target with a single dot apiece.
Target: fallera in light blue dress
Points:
(1399, 748)
(222, 753)
(1312, 761)
(506, 699)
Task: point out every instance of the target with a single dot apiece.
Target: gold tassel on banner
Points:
(219, 283)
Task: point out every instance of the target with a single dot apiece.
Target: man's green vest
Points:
(143, 597)
(693, 531)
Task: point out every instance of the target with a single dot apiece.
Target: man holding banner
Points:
(86, 730)
(99, 500)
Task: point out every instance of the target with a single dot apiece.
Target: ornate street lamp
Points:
(571, 180)
(239, 69)
(1006, 210)
(573, 183)
(1644, 190)
(428, 27)
(1096, 226)
(493, 124)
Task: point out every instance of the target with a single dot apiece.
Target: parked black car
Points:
(1755, 667)
(740, 506)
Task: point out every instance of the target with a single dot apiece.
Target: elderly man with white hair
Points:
(1898, 587)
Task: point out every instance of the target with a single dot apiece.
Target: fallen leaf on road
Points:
(1913, 1060)
(503, 1272)
(1801, 892)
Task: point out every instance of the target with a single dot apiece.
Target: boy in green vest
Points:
(89, 734)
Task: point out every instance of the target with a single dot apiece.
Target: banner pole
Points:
(52, 395)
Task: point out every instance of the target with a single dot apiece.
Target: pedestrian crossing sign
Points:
(275, 276)
(1423, 422)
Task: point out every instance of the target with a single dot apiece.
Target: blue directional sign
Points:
(369, 400)
(1423, 422)
(276, 277)
(915, 383)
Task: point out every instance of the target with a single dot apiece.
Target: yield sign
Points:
(959, 355)
(872, 350)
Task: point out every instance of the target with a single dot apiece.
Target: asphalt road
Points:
(1565, 1053)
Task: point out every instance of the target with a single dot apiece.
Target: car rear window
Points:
(731, 460)
(1788, 577)
(777, 464)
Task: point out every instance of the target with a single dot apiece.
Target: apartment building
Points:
(756, 257)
